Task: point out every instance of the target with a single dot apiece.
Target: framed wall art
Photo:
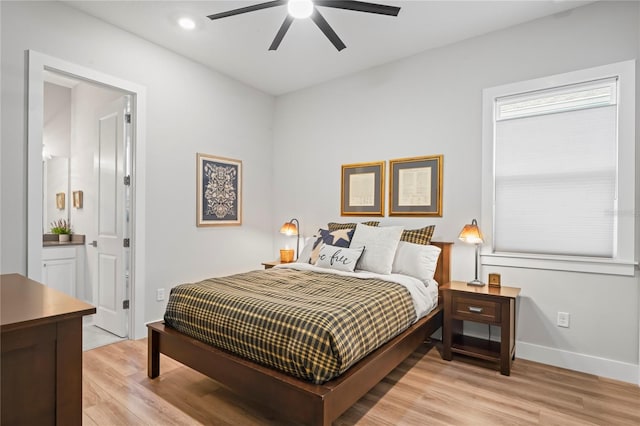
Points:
(362, 189)
(415, 186)
(219, 191)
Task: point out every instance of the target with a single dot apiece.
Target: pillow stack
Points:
(368, 247)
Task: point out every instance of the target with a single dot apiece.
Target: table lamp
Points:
(471, 234)
(291, 228)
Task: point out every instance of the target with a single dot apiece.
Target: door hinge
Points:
(125, 304)
(127, 180)
(126, 242)
(127, 118)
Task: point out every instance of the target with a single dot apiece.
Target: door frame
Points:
(37, 64)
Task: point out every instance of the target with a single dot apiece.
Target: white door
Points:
(112, 263)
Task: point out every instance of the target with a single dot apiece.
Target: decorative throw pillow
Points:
(381, 244)
(418, 236)
(334, 226)
(339, 258)
(416, 260)
(338, 238)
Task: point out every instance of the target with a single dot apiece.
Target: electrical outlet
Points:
(563, 319)
(160, 294)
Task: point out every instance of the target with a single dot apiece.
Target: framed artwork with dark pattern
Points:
(219, 191)
(362, 189)
(415, 186)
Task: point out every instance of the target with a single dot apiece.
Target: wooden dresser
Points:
(41, 353)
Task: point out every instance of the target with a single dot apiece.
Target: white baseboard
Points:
(602, 367)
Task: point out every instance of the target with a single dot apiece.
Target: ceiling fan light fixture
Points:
(300, 9)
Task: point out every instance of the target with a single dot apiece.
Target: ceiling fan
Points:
(299, 9)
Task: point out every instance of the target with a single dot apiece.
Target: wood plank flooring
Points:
(422, 390)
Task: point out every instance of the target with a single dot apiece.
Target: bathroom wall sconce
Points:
(60, 201)
(77, 199)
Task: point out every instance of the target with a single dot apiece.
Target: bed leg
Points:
(153, 353)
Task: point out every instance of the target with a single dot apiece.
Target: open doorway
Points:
(86, 151)
(102, 195)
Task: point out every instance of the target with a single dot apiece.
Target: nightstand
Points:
(488, 305)
(269, 265)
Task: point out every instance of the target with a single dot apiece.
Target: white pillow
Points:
(305, 253)
(416, 260)
(381, 244)
(339, 258)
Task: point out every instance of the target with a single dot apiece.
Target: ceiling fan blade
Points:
(246, 9)
(281, 32)
(327, 30)
(360, 6)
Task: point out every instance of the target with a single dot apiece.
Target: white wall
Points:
(190, 109)
(431, 104)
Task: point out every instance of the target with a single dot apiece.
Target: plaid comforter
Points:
(311, 325)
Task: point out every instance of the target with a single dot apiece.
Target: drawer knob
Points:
(475, 309)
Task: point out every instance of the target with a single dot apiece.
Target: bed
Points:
(293, 398)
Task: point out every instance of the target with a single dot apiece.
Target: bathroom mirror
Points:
(56, 138)
(55, 188)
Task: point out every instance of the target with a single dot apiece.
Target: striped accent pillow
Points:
(418, 236)
(334, 226)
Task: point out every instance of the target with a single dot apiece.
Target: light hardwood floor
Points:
(422, 390)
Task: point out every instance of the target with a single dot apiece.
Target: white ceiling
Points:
(238, 45)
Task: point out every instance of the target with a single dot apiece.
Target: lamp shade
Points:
(289, 228)
(471, 233)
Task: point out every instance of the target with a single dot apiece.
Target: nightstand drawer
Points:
(475, 309)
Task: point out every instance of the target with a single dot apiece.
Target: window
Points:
(560, 183)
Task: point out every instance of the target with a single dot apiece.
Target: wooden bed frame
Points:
(293, 398)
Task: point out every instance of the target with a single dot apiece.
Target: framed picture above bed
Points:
(415, 186)
(219, 191)
(362, 189)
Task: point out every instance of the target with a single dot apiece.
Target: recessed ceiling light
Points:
(186, 23)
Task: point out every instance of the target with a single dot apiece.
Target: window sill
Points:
(560, 263)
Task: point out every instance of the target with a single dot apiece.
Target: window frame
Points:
(623, 261)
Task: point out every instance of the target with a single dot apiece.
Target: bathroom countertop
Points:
(51, 240)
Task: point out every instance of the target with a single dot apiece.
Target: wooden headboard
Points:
(444, 262)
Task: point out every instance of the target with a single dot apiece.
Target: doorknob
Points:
(94, 243)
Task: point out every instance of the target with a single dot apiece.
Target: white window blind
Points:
(555, 171)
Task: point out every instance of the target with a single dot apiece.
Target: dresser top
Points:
(25, 303)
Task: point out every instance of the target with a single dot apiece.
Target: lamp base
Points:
(476, 283)
(286, 255)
